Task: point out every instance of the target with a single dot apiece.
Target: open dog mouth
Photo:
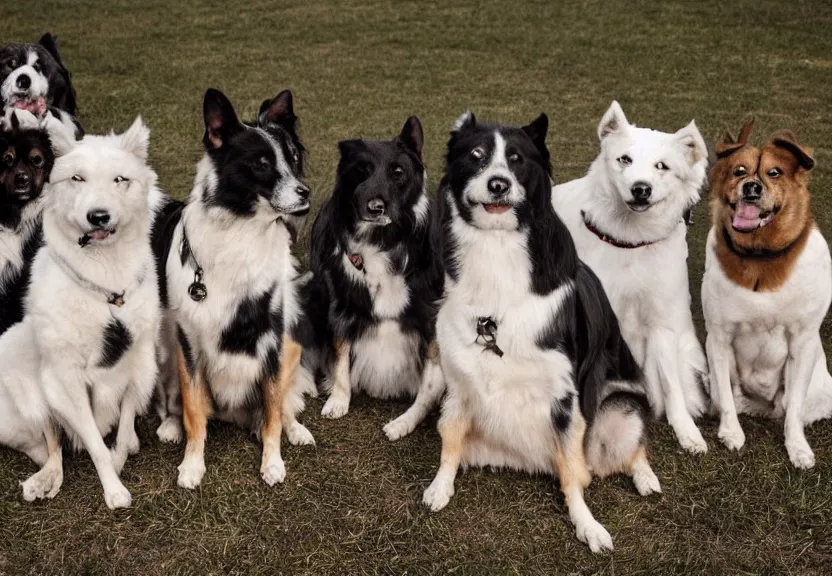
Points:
(639, 206)
(95, 235)
(497, 207)
(35, 105)
(750, 217)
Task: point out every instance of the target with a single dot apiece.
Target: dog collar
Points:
(356, 260)
(113, 298)
(755, 253)
(197, 290)
(609, 239)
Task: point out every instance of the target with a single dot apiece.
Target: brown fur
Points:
(196, 406)
(761, 260)
(274, 396)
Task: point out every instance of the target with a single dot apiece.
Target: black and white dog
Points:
(530, 347)
(231, 287)
(83, 360)
(371, 245)
(33, 77)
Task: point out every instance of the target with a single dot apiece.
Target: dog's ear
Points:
(691, 139)
(613, 121)
(63, 93)
(51, 44)
(221, 122)
(465, 120)
(412, 135)
(537, 130)
(137, 139)
(348, 147)
(787, 140)
(279, 110)
(727, 145)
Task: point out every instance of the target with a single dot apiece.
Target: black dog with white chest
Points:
(371, 246)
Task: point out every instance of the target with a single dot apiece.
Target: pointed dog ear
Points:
(787, 140)
(278, 110)
(137, 138)
(221, 121)
(727, 145)
(465, 120)
(412, 135)
(613, 121)
(690, 137)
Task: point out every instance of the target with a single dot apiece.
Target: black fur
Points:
(187, 351)
(391, 171)
(251, 321)
(586, 329)
(14, 291)
(116, 341)
(164, 225)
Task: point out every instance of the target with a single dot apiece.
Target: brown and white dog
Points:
(766, 290)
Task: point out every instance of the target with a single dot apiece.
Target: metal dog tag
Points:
(197, 290)
(487, 335)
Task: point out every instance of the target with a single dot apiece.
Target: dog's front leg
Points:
(570, 465)
(67, 397)
(127, 441)
(454, 427)
(196, 408)
(429, 394)
(338, 403)
(275, 390)
(805, 357)
(663, 346)
(46, 482)
(718, 347)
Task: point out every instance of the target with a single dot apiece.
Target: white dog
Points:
(84, 355)
(626, 218)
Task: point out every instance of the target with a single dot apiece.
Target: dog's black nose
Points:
(375, 207)
(303, 191)
(641, 191)
(98, 218)
(21, 180)
(498, 185)
(23, 82)
(752, 192)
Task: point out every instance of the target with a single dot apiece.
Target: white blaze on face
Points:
(26, 88)
(489, 210)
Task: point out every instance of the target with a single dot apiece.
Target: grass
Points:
(352, 504)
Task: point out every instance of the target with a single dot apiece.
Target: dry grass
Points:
(352, 505)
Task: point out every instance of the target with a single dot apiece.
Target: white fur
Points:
(647, 286)
(38, 88)
(60, 339)
(769, 344)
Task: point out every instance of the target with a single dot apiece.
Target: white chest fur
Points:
(388, 291)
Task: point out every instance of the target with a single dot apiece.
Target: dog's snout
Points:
(303, 191)
(23, 82)
(375, 207)
(99, 218)
(752, 192)
(498, 185)
(21, 180)
(641, 191)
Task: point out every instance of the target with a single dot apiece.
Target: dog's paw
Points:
(801, 455)
(438, 494)
(170, 430)
(118, 498)
(133, 443)
(732, 436)
(398, 428)
(273, 471)
(46, 483)
(190, 474)
(299, 435)
(119, 458)
(692, 441)
(646, 482)
(336, 407)
(595, 536)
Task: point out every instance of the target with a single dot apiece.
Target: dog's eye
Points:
(625, 160)
(739, 171)
(478, 153)
(120, 179)
(514, 158)
(774, 173)
(662, 166)
(10, 65)
(36, 160)
(8, 158)
(77, 178)
(398, 173)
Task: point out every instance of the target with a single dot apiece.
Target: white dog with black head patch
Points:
(628, 219)
(84, 355)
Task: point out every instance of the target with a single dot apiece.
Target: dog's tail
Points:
(617, 433)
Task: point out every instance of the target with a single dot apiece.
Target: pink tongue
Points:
(746, 216)
(99, 234)
(36, 107)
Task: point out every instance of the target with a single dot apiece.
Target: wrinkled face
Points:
(751, 187)
(383, 181)
(98, 192)
(32, 78)
(499, 175)
(258, 168)
(26, 159)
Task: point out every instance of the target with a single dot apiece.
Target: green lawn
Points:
(352, 504)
